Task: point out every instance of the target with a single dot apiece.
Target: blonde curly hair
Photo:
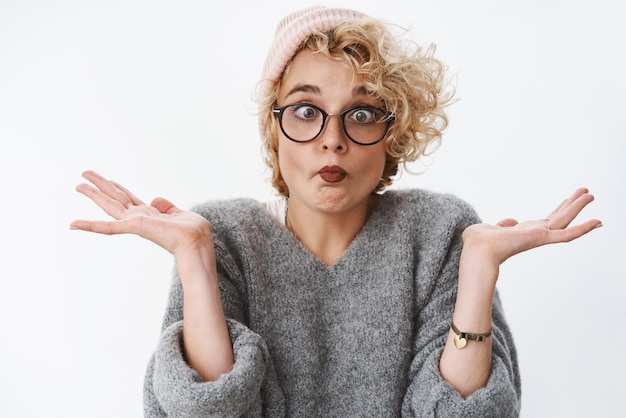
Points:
(405, 78)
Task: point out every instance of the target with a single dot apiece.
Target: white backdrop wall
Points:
(156, 94)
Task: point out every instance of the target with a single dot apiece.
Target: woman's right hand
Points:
(161, 222)
(186, 235)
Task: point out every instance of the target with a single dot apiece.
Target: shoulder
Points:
(428, 205)
(236, 216)
(225, 210)
(241, 228)
(426, 215)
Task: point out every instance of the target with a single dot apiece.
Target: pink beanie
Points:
(295, 29)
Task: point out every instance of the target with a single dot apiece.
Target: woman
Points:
(337, 299)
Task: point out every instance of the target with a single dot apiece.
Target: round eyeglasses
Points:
(303, 122)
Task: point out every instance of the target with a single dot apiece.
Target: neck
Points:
(326, 234)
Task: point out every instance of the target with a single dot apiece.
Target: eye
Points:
(366, 115)
(305, 112)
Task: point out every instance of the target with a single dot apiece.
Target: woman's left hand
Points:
(485, 247)
(509, 237)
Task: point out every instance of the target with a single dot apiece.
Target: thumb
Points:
(507, 222)
(163, 205)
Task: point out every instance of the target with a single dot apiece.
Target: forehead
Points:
(315, 73)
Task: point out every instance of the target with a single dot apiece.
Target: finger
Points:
(573, 232)
(569, 211)
(100, 227)
(112, 207)
(577, 193)
(134, 199)
(108, 187)
(507, 222)
(164, 205)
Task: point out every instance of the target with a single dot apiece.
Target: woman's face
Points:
(330, 173)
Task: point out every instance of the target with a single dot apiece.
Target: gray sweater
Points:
(359, 339)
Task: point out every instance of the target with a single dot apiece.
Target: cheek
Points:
(282, 161)
(377, 162)
(286, 160)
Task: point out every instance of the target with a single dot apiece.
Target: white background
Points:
(156, 94)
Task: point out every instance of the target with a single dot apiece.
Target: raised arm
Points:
(186, 235)
(466, 364)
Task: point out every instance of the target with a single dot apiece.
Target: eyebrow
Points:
(309, 88)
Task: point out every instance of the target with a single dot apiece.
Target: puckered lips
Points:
(332, 173)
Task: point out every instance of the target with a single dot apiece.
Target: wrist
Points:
(478, 275)
(478, 270)
(197, 264)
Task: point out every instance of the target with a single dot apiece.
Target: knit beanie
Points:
(294, 29)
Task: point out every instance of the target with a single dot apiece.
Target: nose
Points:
(333, 136)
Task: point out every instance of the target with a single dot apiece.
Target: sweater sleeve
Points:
(428, 394)
(173, 388)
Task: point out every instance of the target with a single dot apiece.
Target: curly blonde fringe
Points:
(407, 80)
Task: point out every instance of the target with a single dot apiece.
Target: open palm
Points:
(160, 222)
(509, 237)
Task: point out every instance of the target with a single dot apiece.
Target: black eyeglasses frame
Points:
(278, 112)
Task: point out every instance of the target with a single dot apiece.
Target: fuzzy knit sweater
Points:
(362, 338)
